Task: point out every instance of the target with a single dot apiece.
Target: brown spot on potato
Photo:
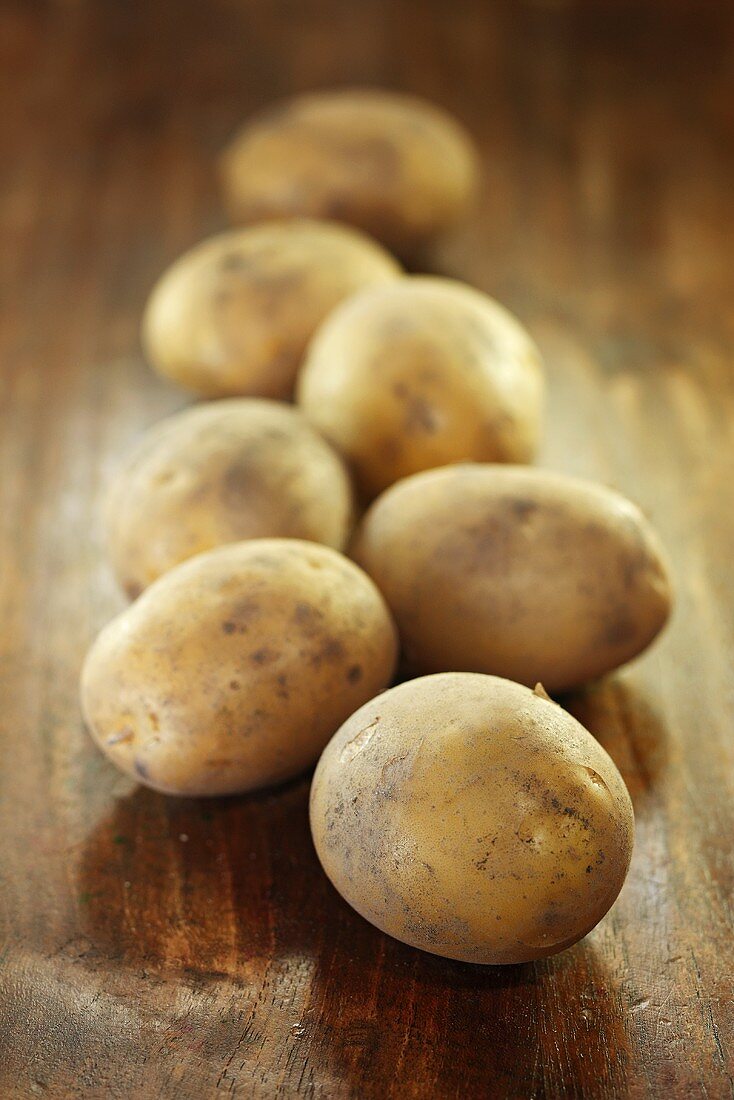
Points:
(263, 656)
(620, 630)
(421, 416)
(304, 614)
(332, 649)
(235, 261)
(240, 481)
(240, 612)
(523, 508)
(282, 691)
(489, 543)
(354, 675)
(244, 609)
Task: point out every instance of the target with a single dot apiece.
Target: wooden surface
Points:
(156, 948)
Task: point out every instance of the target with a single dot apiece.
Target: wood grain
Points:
(163, 948)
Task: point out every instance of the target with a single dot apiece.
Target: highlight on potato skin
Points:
(232, 671)
(233, 315)
(516, 572)
(394, 165)
(422, 372)
(473, 818)
(221, 472)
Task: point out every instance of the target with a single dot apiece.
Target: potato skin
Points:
(420, 373)
(233, 315)
(467, 816)
(517, 572)
(231, 470)
(394, 165)
(231, 672)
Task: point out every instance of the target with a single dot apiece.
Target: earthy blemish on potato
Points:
(621, 628)
(333, 649)
(141, 769)
(523, 509)
(421, 415)
(244, 609)
(263, 656)
(305, 614)
(121, 737)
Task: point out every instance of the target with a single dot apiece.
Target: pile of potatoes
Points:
(359, 500)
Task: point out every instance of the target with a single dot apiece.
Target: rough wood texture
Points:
(158, 948)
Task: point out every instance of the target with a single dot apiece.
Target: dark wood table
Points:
(178, 949)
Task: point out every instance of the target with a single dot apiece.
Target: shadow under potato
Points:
(201, 884)
(627, 724)
(419, 1017)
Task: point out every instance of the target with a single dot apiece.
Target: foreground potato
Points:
(518, 572)
(394, 165)
(473, 818)
(223, 472)
(232, 671)
(421, 373)
(233, 315)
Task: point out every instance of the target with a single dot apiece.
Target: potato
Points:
(233, 670)
(235, 469)
(470, 817)
(393, 165)
(233, 316)
(420, 373)
(518, 572)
